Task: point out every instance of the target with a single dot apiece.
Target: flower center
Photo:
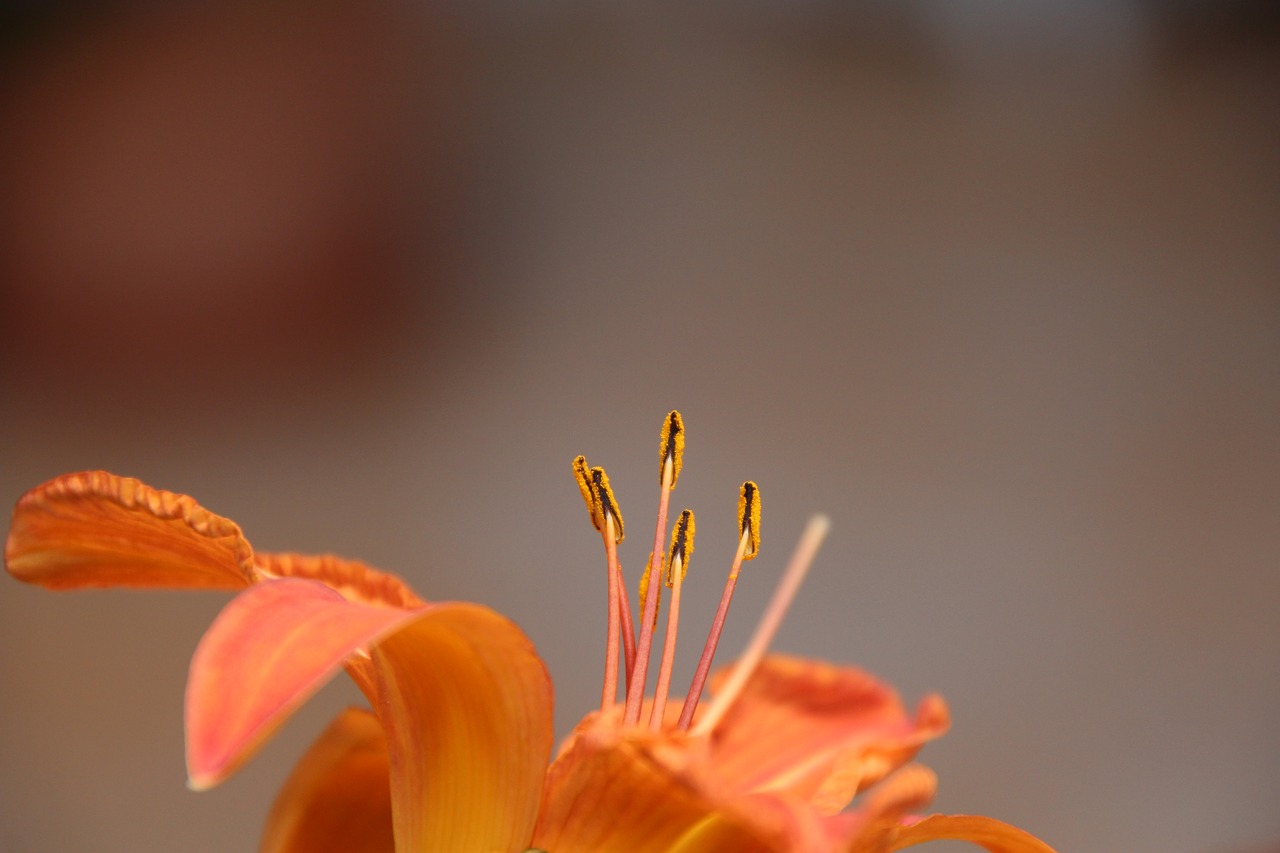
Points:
(637, 652)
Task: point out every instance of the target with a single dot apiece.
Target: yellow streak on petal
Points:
(717, 833)
(94, 529)
(466, 704)
(991, 834)
(338, 798)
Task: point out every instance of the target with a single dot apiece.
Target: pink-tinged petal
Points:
(467, 707)
(985, 832)
(354, 579)
(338, 798)
(269, 649)
(817, 731)
(94, 529)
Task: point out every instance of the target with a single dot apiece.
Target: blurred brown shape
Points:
(213, 197)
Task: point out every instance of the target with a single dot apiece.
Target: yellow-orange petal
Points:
(338, 797)
(818, 731)
(356, 581)
(269, 649)
(615, 789)
(991, 834)
(94, 529)
(605, 794)
(467, 707)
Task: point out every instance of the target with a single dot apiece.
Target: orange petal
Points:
(466, 704)
(355, 580)
(634, 790)
(338, 798)
(606, 794)
(985, 832)
(269, 649)
(95, 529)
(818, 731)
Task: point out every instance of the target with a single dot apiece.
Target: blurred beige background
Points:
(995, 285)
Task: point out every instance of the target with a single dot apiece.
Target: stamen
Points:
(748, 547)
(677, 568)
(671, 451)
(609, 693)
(806, 550)
(603, 505)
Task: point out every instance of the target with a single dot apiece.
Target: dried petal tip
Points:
(681, 546)
(583, 476)
(671, 447)
(749, 518)
(607, 506)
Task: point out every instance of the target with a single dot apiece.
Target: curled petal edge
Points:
(95, 529)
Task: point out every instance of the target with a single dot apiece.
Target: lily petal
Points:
(94, 529)
(466, 704)
(995, 836)
(269, 649)
(818, 731)
(338, 798)
(622, 790)
(607, 794)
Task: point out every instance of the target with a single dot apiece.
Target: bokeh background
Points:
(994, 284)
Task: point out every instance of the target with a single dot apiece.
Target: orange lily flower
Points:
(454, 754)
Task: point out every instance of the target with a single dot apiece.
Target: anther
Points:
(604, 500)
(749, 518)
(681, 546)
(583, 476)
(671, 447)
(644, 590)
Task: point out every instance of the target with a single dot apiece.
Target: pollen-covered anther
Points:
(681, 547)
(749, 518)
(583, 476)
(608, 506)
(644, 588)
(671, 449)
